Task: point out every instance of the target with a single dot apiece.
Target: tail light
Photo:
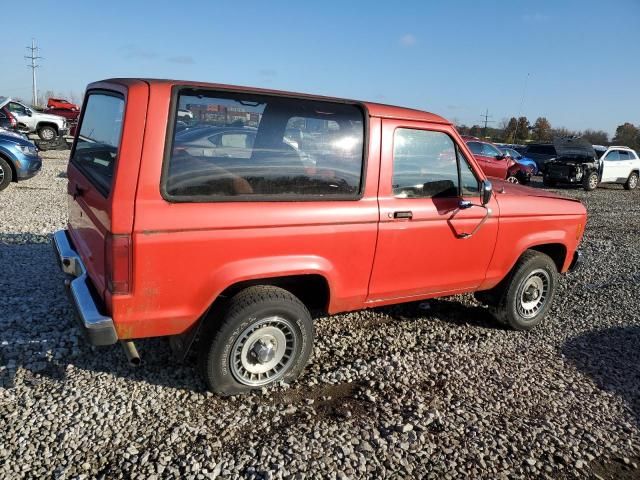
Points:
(12, 120)
(118, 264)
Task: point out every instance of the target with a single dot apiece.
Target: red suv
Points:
(61, 104)
(225, 235)
(496, 164)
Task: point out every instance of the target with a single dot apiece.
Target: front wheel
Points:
(47, 133)
(512, 179)
(632, 181)
(526, 295)
(6, 175)
(265, 336)
(590, 181)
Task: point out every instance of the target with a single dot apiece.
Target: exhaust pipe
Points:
(131, 352)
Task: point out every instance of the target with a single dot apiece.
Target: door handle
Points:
(405, 214)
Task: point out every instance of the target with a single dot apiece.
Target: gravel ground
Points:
(431, 390)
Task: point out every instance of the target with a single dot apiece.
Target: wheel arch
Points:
(12, 166)
(556, 251)
(47, 123)
(312, 289)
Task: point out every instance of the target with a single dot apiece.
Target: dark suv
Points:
(540, 153)
(575, 163)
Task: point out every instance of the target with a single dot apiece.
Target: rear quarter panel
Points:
(92, 216)
(186, 254)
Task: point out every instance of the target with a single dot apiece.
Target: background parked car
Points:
(496, 164)
(61, 103)
(575, 163)
(70, 115)
(527, 162)
(540, 153)
(619, 165)
(19, 159)
(7, 121)
(47, 126)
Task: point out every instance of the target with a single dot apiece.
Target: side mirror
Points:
(29, 112)
(486, 189)
(500, 157)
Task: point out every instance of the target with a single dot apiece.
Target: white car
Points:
(619, 165)
(47, 126)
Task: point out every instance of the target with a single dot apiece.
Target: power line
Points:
(486, 117)
(33, 56)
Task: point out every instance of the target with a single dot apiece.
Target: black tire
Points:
(250, 311)
(512, 179)
(514, 304)
(590, 181)
(632, 181)
(547, 182)
(47, 132)
(6, 174)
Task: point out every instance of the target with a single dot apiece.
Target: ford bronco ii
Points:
(226, 233)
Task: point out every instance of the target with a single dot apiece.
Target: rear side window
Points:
(98, 140)
(475, 147)
(623, 155)
(542, 149)
(245, 146)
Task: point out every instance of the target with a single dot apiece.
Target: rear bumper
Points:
(98, 328)
(576, 262)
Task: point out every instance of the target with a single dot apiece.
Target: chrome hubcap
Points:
(47, 134)
(512, 180)
(633, 181)
(533, 293)
(1, 174)
(264, 351)
(593, 181)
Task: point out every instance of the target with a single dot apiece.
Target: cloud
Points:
(535, 17)
(408, 40)
(182, 59)
(134, 52)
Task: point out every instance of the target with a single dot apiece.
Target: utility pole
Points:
(486, 117)
(33, 56)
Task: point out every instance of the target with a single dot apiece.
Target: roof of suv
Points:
(374, 109)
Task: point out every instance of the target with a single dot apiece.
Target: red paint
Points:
(183, 255)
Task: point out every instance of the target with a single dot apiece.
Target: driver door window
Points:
(428, 164)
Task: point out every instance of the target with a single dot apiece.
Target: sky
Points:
(574, 62)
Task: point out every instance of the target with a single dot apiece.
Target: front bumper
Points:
(98, 328)
(29, 167)
(576, 262)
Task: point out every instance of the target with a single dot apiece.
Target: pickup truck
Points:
(47, 126)
(227, 248)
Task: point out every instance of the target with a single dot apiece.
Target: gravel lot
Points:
(432, 390)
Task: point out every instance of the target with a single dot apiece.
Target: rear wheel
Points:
(512, 179)
(47, 132)
(590, 181)
(6, 175)
(632, 181)
(524, 297)
(265, 336)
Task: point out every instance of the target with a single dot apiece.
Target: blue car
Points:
(19, 158)
(527, 162)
